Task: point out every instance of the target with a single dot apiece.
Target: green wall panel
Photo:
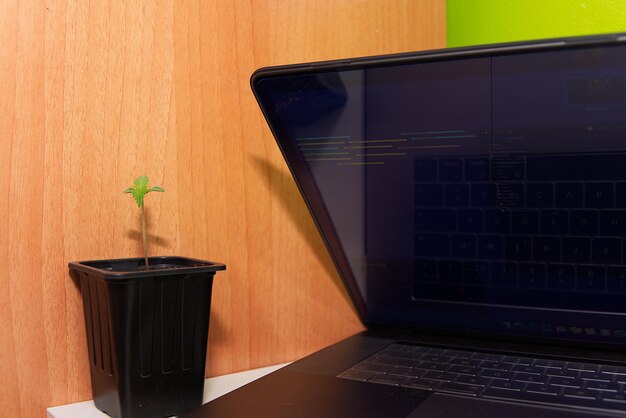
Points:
(472, 22)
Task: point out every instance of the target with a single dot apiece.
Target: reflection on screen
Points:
(478, 193)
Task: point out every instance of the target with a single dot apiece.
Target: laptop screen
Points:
(483, 193)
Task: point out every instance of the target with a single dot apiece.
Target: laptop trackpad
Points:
(447, 406)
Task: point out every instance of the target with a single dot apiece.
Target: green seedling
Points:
(139, 190)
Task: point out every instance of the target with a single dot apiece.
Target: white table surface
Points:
(214, 387)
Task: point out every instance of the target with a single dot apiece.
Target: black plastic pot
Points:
(147, 332)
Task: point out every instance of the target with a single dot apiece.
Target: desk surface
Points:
(214, 387)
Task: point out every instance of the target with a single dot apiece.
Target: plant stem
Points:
(143, 235)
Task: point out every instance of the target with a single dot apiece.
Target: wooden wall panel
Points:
(9, 391)
(93, 94)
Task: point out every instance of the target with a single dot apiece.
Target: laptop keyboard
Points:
(542, 224)
(496, 376)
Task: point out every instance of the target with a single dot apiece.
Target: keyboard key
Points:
(497, 374)
(527, 369)
(486, 357)
(497, 365)
(476, 272)
(583, 222)
(458, 353)
(614, 370)
(505, 385)
(599, 195)
(404, 371)
(554, 222)
(451, 169)
(460, 389)
(508, 168)
(497, 221)
(525, 222)
(504, 274)
(465, 370)
(517, 360)
(570, 374)
(483, 195)
(407, 371)
(619, 398)
(576, 250)
(457, 195)
(427, 365)
(463, 246)
(591, 278)
(580, 393)
(412, 373)
(465, 362)
(473, 380)
(603, 386)
(517, 247)
(428, 194)
(584, 367)
(490, 247)
(543, 389)
(613, 222)
(532, 275)
(436, 358)
(388, 379)
(539, 195)
(594, 376)
(549, 364)
(510, 195)
(546, 248)
(561, 277)
(606, 250)
(424, 384)
(569, 195)
(565, 381)
(424, 169)
(470, 220)
(620, 378)
(477, 169)
(440, 376)
(616, 279)
(527, 377)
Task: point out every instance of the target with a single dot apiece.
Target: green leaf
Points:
(139, 194)
(140, 188)
(141, 181)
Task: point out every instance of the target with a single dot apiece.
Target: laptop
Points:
(474, 203)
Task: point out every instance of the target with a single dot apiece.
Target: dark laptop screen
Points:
(485, 193)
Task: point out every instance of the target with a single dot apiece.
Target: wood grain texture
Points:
(93, 94)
